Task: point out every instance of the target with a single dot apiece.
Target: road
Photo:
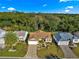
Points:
(67, 52)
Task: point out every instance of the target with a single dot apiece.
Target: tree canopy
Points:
(32, 22)
(10, 38)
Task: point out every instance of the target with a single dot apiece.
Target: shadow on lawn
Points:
(52, 57)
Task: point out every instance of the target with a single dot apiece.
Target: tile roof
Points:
(40, 34)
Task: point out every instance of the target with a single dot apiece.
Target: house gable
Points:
(41, 35)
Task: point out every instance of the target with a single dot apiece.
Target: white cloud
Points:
(67, 0)
(44, 5)
(11, 9)
(63, 0)
(67, 11)
(3, 7)
(69, 7)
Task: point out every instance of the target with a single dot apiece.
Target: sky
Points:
(42, 6)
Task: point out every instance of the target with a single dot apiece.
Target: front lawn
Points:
(52, 50)
(21, 49)
(76, 50)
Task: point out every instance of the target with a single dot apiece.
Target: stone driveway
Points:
(67, 52)
(32, 52)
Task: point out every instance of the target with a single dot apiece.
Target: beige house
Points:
(34, 37)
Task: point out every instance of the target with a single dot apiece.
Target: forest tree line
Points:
(32, 22)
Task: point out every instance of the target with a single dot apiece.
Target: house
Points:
(63, 38)
(34, 37)
(22, 35)
(2, 41)
(76, 37)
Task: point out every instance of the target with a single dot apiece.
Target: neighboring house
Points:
(22, 35)
(63, 38)
(39, 35)
(2, 41)
(76, 37)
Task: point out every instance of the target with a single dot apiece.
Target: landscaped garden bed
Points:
(52, 49)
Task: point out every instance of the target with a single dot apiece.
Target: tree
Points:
(10, 38)
(32, 22)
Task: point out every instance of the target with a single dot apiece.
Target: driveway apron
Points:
(32, 52)
(67, 52)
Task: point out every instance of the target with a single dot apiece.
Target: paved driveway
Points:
(67, 52)
(32, 52)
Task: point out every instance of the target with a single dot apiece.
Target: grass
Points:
(52, 50)
(76, 50)
(21, 50)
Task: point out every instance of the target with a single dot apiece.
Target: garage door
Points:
(33, 42)
(63, 43)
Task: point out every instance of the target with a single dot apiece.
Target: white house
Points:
(63, 38)
(22, 35)
(76, 37)
(2, 41)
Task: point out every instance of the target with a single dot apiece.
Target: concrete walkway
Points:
(67, 52)
(32, 52)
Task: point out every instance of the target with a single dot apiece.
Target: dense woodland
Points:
(32, 22)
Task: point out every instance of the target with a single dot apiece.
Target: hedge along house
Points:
(22, 35)
(2, 41)
(34, 37)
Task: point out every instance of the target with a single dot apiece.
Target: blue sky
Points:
(45, 6)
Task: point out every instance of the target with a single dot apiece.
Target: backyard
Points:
(76, 50)
(51, 50)
(21, 49)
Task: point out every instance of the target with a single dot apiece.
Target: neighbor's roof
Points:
(21, 33)
(63, 36)
(40, 34)
(76, 33)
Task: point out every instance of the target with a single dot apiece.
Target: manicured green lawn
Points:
(76, 50)
(21, 50)
(52, 50)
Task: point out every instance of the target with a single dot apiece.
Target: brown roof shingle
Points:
(40, 34)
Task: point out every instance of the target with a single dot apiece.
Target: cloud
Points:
(11, 9)
(67, 11)
(3, 7)
(44, 5)
(67, 0)
(69, 7)
(64, 0)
